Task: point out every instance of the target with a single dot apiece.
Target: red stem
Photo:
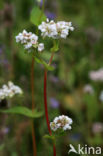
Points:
(33, 138)
(54, 150)
(45, 104)
(32, 83)
(45, 101)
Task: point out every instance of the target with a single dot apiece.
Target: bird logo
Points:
(72, 149)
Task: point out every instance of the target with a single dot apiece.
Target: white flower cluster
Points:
(96, 75)
(29, 40)
(9, 90)
(62, 122)
(55, 30)
(88, 89)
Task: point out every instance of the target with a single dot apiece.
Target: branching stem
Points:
(33, 106)
(45, 103)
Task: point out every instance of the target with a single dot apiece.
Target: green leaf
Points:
(23, 111)
(37, 16)
(41, 61)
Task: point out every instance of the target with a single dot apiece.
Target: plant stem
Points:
(33, 138)
(32, 89)
(54, 150)
(45, 103)
(43, 6)
(45, 93)
(32, 83)
(33, 106)
(51, 58)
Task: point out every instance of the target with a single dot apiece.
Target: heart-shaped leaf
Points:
(37, 16)
(23, 111)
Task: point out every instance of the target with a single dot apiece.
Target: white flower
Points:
(28, 45)
(96, 75)
(62, 122)
(53, 126)
(88, 89)
(40, 47)
(29, 40)
(9, 90)
(48, 29)
(55, 30)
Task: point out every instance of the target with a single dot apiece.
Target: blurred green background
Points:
(79, 54)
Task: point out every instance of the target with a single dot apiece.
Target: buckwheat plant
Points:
(31, 42)
(10, 90)
(55, 31)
